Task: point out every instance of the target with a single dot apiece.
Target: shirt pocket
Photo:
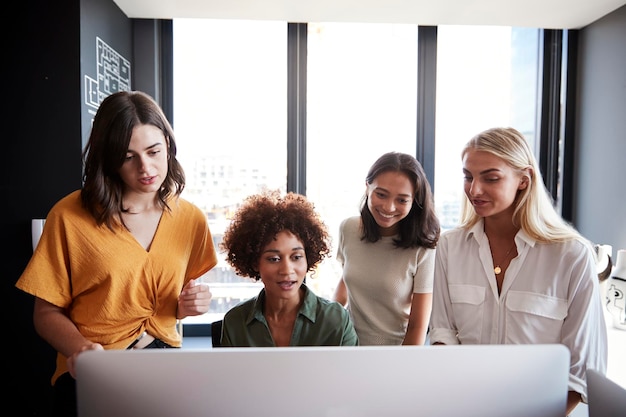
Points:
(468, 307)
(534, 318)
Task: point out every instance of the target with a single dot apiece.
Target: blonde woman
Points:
(514, 272)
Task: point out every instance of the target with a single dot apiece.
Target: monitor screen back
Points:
(606, 398)
(362, 381)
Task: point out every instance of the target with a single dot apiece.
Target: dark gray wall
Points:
(105, 53)
(41, 149)
(42, 139)
(600, 167)
(49, 56)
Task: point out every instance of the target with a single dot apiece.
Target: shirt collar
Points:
(478, 233)
(308, 308)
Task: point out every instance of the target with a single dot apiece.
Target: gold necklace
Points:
(497, 268)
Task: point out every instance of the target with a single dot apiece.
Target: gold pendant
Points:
(497, 270)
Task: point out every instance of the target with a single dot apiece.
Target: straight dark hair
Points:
(421, 226)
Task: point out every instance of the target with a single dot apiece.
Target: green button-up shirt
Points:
(320, 322)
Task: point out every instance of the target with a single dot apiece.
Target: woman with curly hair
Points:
(278, 240)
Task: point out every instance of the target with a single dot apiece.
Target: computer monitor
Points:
(361, 381)
(605, 397)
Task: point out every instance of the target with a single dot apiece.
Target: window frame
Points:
(555, 119)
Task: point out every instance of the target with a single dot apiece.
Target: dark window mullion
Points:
(569, 134)
(426, 99)
(550, 121)
(296, 106)
(166, 79)
(153, 61)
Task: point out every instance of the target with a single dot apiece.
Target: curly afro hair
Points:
(261, 217)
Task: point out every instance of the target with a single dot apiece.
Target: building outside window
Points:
(230, 116)
(487, 76)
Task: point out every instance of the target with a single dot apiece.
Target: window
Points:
(229, 118)
(230, 115)
(486, 77)
(361, 103)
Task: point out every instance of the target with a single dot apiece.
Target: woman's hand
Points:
(71, 361)
(194, 299)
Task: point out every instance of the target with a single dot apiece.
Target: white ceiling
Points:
(548, 14)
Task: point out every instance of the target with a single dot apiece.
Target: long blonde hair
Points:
(534, 210)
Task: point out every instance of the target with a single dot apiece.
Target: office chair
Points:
(216, 333)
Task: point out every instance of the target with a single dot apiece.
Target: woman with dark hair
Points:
(279, 239)
(388, 253)
(116, 264)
